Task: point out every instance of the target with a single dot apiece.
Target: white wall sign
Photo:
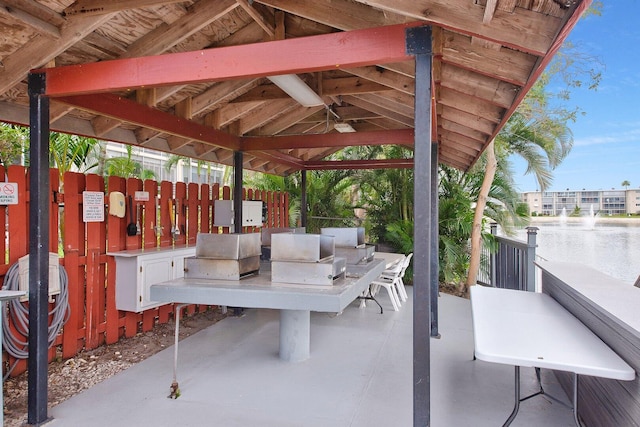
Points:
(92, 206)
(141, 196)
(8, 193)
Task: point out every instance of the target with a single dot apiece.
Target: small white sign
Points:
(8, 193)
(141, 196)
(92, 206)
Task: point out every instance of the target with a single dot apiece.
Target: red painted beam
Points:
(280, 158)
(304, 54)
(359, 164)
(383, 137)
(132, 112)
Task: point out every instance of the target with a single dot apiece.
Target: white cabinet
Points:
(137, 270)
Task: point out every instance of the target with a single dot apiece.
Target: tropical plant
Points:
(127, 167)
(13, 139)
(69, 152)
(385, 194)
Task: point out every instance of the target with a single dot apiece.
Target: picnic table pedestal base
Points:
(295, 330)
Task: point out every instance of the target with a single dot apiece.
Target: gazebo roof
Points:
(111, 73)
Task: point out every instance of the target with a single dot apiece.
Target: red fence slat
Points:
(94, 318)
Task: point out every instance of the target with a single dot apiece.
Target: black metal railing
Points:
(511, 265)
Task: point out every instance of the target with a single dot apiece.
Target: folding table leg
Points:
(518, 399)
(575, 400)
(516, 406)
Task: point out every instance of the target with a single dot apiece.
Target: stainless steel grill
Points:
(307, 259)
(224, 256)
(349, 244)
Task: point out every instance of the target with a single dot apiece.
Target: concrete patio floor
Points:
(359, 374)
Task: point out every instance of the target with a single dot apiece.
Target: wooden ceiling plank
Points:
(523, 30)
(164, 37)
(345, 15)
(40, 50)
(505, 64)
(222, 93)
(263, 92)
(147, 97)
(390, 137)
(349, 49)
(231, 112)
(472, 153)
(379, 110)
(285, 121)
(473, 84)
(35, 23)
(176, 142)
(489, 11)
(342, 14)
(397, 101)
(463, 130)
(267, 112)
(467, 119)
(461, 140)
(386, 78)
(100, 7)
(103, 124)
(265, 23)
(475, 106)
(359, 164)
(350, 85)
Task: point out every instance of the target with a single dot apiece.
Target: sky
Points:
(606, 147)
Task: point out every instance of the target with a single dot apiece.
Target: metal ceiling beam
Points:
(305, 54)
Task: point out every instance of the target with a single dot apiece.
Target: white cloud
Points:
(630, 135)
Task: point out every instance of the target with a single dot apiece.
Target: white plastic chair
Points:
(388, 280)
(400, 283)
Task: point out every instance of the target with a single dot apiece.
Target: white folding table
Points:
(533, 330)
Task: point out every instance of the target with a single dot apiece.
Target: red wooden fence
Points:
(93, 317)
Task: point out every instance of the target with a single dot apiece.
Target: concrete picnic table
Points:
(295, 301)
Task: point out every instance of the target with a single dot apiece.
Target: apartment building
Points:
(604, 202)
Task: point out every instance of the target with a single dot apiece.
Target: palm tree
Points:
(542, 139)
(625, 184)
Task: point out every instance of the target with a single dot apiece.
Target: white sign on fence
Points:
(8, 193)
(92, 206)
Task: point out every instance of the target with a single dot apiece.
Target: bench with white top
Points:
(531, 329)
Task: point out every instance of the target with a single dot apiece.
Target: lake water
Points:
(613, 248)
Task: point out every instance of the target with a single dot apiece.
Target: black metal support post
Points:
(419, 44)
(303, 198)
(238, 166)
(238, 159)
(435, 232)
(38, 249)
